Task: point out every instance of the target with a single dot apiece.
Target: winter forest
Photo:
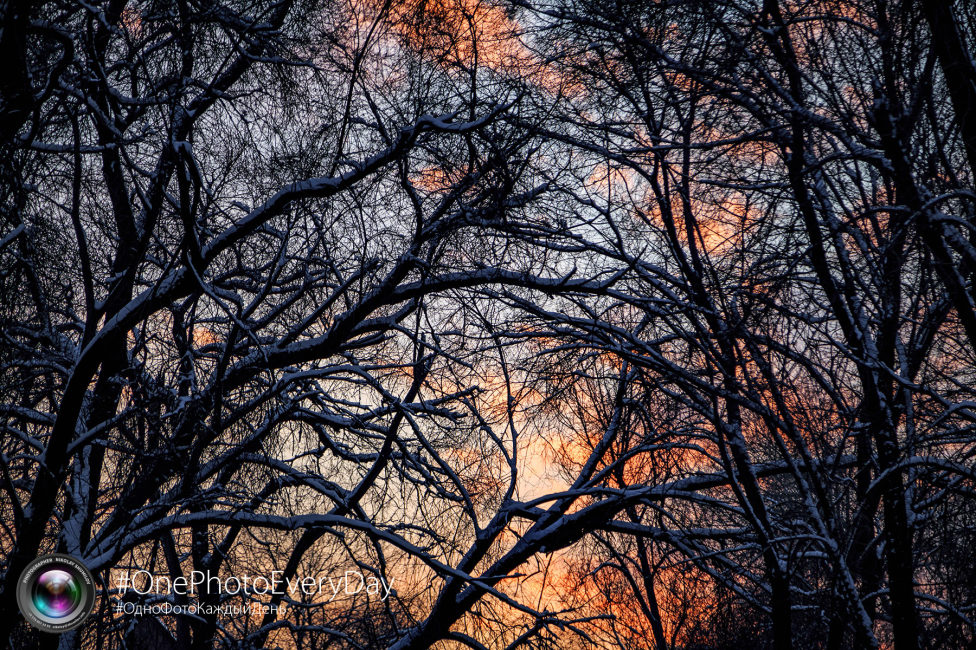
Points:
(636, 325)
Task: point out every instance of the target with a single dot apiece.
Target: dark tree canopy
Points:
(563, 324)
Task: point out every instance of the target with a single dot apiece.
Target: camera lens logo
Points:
(56, 593)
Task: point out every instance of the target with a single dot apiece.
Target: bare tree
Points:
(781, 186)
(572, 324)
